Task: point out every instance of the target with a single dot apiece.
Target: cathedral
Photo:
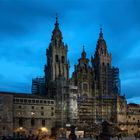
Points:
(95, 83)
(90, 96)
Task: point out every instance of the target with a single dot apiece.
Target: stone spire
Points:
(101, 33)
(56, 23)
(56, 34)
(101, 44)
(57, 64)
(83, 53)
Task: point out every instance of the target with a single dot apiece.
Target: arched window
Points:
(108, 64)
(85, 87)
(43, 122)
(62, 59)
(20, 122)
(56, 58)
(32, 122)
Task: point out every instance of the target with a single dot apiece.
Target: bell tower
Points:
(57, 63)
(101, 64)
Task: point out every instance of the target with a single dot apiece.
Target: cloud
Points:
(17, 77)
(20, 17)
(130, 87)
(13, 72)
(20, 87)
(25, 32)
(20, 52)
(134, 100)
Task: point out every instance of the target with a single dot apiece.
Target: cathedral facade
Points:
(95, 82)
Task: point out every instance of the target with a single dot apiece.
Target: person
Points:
(90, 136)
(135, 135)
(97, 137)
(72, 137)
(139, 134)
(119, 136)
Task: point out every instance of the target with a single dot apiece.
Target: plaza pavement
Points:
(123, 138)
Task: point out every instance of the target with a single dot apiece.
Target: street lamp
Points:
(44, 129)
(21, 128)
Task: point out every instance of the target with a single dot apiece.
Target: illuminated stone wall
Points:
(31, 114)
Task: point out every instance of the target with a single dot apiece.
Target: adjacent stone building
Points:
(133, 118)
(25, 114)
(129, 117)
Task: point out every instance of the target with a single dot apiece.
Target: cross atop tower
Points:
(56, 16)
(56, 23)
(83, 48)
(101, 32)
(83, 53)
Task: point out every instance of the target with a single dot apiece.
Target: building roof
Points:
(133, 105)
(23, 95)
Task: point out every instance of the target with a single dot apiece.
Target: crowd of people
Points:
(47, 137)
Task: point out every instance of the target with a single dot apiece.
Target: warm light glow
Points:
(44, 129)
(21, 128)
(122, 129)
(32, 113)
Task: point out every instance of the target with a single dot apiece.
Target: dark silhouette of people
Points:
(119, 137)
(72, 135)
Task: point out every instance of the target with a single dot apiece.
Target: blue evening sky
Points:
(26, 28)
